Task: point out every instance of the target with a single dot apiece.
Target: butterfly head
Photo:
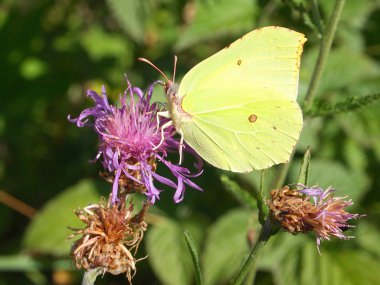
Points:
(169, 86)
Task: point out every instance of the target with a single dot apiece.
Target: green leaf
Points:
(308, 256)
(339, 59)
(304, 170)
(240, 194)
(19, 263)
(354, 155)
(363, 127)
(100, 44)
(194, 256)
(26, 263)
(295, 260)
(310, 135)
(277, 248)
(327, 173)
(226, 246)
(48, 232)
(214, 19)
(254, 179)
(32, 68)
(168, 253)
(354, 14)
(356, 267)
(368, 236)
(309, 11)
(131, 15)
(350, 104)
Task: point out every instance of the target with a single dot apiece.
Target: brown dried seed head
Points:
(291, 209)
(110, 239)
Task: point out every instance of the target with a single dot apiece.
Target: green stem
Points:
(89, 276)
(249, 264)
(250, 277)
(324, 50)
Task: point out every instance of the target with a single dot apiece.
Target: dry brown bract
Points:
(311, 209)
(110, 239)
(292, 210)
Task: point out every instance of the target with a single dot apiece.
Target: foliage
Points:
(52, 51)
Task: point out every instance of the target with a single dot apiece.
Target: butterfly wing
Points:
(255, 130)
(268, 57)
(238, 108)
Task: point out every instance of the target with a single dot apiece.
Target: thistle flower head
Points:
(311, 209)
(133, 141)
(110, 239)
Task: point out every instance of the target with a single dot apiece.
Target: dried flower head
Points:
(311, 209)
(110, 239)
(133, 141)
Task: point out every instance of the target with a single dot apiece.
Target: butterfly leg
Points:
(164, 114)
(164, 126)
(180, 147)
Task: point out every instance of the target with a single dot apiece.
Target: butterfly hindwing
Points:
(253, 132)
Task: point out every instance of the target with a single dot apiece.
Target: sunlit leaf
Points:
(131, 16)
(214, 19)
(354, 155)
(355, 13)
(276, 250)
(240, 194)
(19, 263)
(169, 254)
(99, 45)
(227, 246)
(195, 257)
(24, 263)
(368, 236)
(295, 260)
(342, 60)
(48, 232)
(363, 127)
(33, 68)
(327, 173)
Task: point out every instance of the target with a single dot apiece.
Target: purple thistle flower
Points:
(331, 218)
(132, 141)
(325, 216)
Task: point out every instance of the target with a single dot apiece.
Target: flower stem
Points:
(90, 276)
(265, 234)
(324, 50)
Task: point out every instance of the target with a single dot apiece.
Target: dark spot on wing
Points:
(239, 62)
(274, 127)
(252, 118)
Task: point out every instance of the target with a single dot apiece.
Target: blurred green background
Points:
(52, 51)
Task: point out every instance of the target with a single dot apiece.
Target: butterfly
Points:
(237, 108)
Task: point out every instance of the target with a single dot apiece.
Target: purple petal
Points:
(179, 193)
(164, 180)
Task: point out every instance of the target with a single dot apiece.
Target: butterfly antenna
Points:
(175, 67)
(155, 67)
